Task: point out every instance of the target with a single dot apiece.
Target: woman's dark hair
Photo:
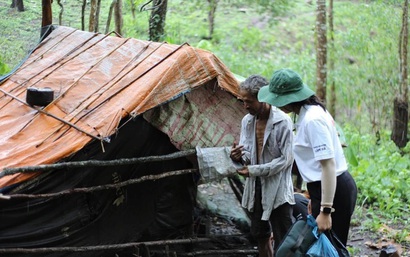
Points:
(313, 100)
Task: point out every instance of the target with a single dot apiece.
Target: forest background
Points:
(258, 37)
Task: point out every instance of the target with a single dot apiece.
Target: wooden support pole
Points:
(101, 187)
(233, 252)
(102, 247)
(96, 163)
(146, 244)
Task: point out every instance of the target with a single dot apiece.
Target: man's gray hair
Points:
(253, 83)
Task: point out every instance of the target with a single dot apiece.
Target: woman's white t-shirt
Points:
(316, 139)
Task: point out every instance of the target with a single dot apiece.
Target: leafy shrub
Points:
(4, 68)
(381, 171)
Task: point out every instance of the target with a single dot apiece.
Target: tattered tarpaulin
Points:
(152, 210)
(97, 80)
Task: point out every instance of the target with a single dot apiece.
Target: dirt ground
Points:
(228, 219)
(366, 243)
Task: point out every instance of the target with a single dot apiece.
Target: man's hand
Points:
(243, 172)
(236, 152)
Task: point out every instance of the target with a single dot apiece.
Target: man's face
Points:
(250, 102)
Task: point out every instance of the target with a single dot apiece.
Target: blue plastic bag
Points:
(322, 247)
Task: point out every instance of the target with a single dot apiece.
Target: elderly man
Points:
(265, 150)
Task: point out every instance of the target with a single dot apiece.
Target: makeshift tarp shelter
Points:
(114, 98)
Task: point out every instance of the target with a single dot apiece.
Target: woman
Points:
(317, 151)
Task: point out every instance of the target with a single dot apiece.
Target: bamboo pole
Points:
(101, 187)
(146, 244)
(96, 163)
(220, 252)
(103, 247)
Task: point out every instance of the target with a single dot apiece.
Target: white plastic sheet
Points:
(215, 164)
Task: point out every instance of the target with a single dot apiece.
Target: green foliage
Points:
(17, 38)
(204, 44)
(367, 80)
(382, 175)
(390, 2)
(381, 171)
(4, 68)
(273, 8)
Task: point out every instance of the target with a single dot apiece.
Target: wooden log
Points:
(220, 252)
(100, 187)
(96, 163)
(103, 247)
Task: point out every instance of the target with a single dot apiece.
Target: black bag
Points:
(298, 239)
(340, 248)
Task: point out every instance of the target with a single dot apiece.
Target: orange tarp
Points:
(97, 81)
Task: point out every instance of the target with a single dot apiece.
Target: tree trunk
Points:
(46, 18)
(399, 133)
(401, 114)
(94, 15)
(60, 14)
(321, 50)
(211, 16)
(18, 4)
(83, 14)
(118, 17)
(47, 14)
(132, 3)
(97, 16)
(157, 20)
(107, 27)
(93, 9)
(332, 94)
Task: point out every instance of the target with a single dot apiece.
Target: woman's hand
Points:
(324, 221)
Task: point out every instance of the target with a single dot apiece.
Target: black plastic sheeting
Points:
(151, 210)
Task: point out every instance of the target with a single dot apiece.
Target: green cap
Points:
(285, 87)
